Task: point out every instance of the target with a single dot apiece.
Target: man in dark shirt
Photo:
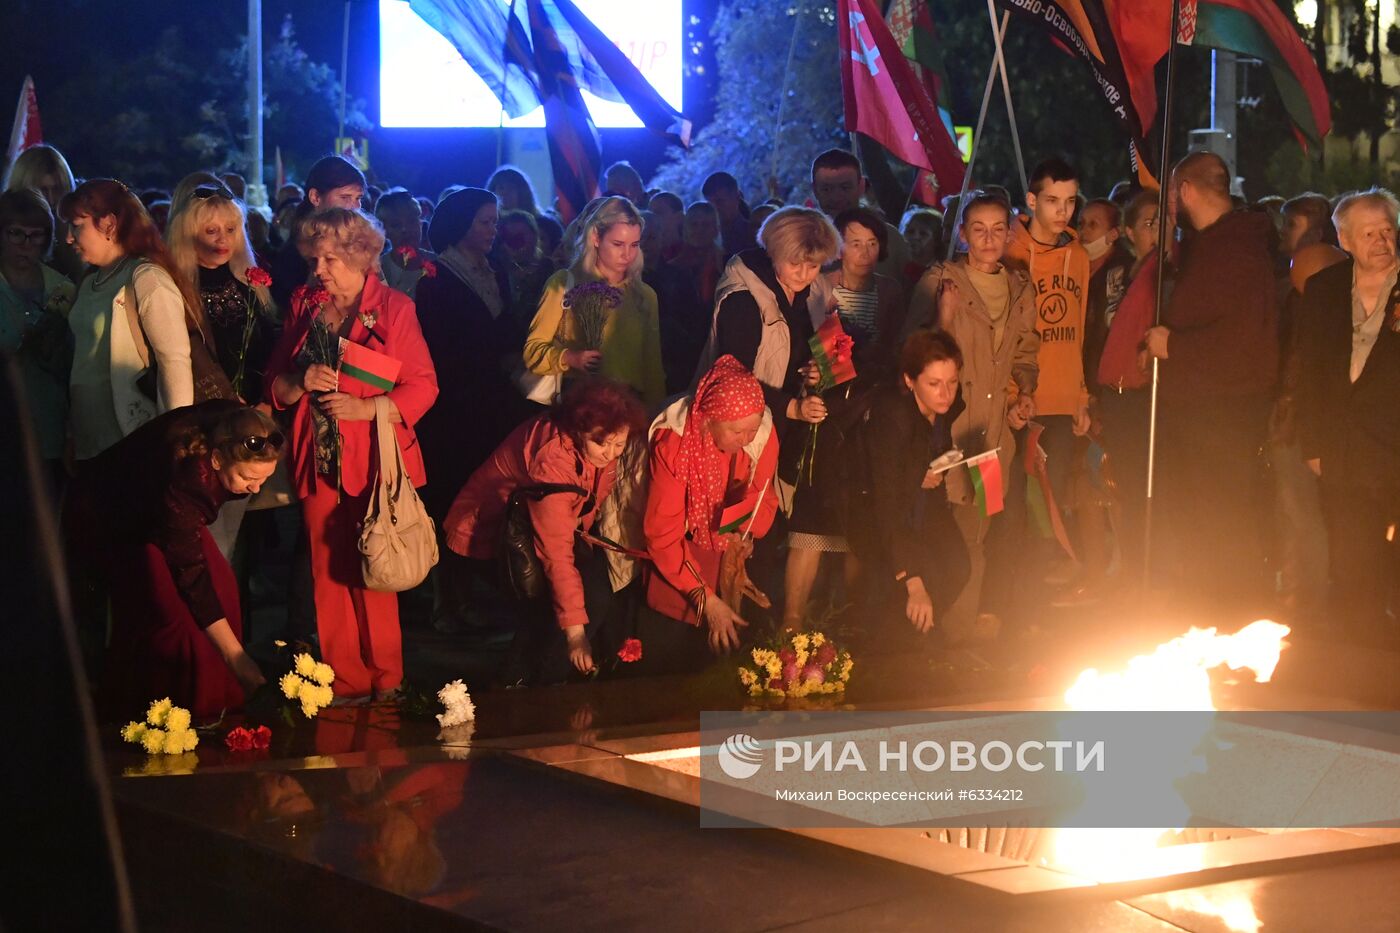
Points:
(1218, 352)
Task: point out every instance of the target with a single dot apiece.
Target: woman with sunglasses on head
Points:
(132, 320)
(34, 303)
(138, 518)
(208, 242)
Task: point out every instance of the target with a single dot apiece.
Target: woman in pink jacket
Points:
(577, 443)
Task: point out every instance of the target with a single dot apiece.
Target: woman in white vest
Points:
(130, 320)
(762, 315)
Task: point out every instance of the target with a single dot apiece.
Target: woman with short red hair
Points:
(577, 443)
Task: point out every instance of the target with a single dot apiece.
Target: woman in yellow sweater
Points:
(614, 330)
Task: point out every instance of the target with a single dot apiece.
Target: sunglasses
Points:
(257, 443)
(205, 192)
(17, 235)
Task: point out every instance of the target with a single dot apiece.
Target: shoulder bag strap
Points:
(390, 460)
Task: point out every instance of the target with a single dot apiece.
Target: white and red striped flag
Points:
(27, 130)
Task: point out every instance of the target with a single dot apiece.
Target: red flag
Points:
(875, 76)
(27, 130)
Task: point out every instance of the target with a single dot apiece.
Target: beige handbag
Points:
(398, 544)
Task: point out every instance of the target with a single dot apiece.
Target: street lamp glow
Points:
(1306, 12)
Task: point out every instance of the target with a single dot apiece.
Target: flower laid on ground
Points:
(630, 651)
(309, 683)
(243, 739)
(165, 731)
(454, 697)
(805, 664)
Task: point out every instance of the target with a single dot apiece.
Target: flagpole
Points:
(977, 133)
(1163, 232)
(344, 73)
(783, 95)
(1000, 59)
(505, 58)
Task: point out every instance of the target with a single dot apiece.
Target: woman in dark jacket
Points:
(138, 515)
(474, 341)
(901, 524)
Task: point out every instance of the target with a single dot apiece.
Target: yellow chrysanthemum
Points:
(132, 731)
(801, 658)
(323, 674)
(158, 711)
(800, 641)
(775, 668)
(818, 639)
(153, 741)
(191, 740)
(182, 741)
(321, 695)
(291, 685)
(747, 677)
(755, 690)
(309, 708)
(305, 665)
(177, 720)
(762, 657)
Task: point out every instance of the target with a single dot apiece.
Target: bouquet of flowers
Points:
(832, 352)
(309, 683)
(590, 304)
(805, 664)
(165, 731)
(458, 703)
(257, 278)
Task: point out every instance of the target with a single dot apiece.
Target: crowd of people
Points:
(625, 427)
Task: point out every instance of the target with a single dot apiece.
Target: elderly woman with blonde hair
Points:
(332, 437)
(598, 316)
(762, 315)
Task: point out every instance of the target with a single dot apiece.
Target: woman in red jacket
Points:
(577, 443)
(332, 434)
(713, 458)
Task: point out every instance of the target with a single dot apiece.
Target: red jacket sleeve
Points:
(556, 518)
(665, 524)
(283, 352)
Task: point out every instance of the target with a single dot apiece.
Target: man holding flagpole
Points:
(1218, 349)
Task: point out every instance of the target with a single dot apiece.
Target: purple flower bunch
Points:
(590, 303)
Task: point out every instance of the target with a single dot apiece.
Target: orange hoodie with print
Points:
(1060, 276)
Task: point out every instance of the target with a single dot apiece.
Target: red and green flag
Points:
(831, 351)
(985, 470)
(1040, 495)
(365, 373)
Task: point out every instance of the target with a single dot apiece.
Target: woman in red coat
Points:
(713, 458)
(577, 443)
(138, 515)
(333, 437)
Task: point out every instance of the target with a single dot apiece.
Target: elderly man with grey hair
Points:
(1349, 408)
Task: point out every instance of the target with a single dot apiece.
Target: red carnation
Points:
(408, 253)
(239, 740)
(258, 277)
(825, 654)
(630, 651)
(262, 737)
(429, 269)
(787, 656)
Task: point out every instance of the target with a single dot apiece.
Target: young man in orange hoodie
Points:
(1047, 249)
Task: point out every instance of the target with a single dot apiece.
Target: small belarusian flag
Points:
(985, 470)
(739, 517)
(831, 351)
(365, 373)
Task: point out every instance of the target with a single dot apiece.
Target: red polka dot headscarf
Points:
(728, 392)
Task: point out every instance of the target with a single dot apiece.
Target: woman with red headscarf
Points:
(713, 456)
